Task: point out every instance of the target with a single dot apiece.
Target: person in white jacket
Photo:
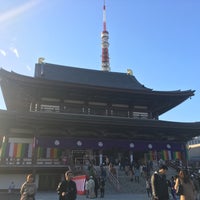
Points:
(91, 186)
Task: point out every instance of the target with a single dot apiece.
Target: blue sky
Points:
(158, 40)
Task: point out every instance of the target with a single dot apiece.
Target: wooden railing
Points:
(28, 161)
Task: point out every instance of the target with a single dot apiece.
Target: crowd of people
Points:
(95, 182)
(94, 185)
(181, 186)
(159, 186)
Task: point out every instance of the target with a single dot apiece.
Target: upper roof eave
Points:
(4, 74)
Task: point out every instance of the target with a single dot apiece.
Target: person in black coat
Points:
(102, 186)
(159, 184)
(67, 188)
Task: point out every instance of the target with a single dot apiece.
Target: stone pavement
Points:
(117, 196)
(53, 196)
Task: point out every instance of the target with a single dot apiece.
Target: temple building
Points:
(68, 116)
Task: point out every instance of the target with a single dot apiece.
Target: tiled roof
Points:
(88, 77)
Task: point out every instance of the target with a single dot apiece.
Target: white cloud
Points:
(2, 52)
(15, 51)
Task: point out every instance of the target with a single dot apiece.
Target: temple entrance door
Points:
(78, 156)
(48, 182)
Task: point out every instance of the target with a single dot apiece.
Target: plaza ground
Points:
(53, 196)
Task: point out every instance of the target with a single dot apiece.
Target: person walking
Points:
(159, 184)
(137, 174)
(102, 187)
(96, 186)
(102, 172)
(196, 183)
(11, 187)
(188, 186)
(28, 189)
(172, 190)
(91, 188)
(86, 187)
(67, 188)
(148, 187)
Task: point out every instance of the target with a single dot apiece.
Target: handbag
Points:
(179, 190)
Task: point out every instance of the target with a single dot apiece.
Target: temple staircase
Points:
(123, 183)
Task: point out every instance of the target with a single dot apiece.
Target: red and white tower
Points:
(104, 44)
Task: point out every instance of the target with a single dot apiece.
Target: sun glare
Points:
(17, 11)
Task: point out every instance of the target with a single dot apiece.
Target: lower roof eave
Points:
(98, 126)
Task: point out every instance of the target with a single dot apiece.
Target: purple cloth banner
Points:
(97, 143)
